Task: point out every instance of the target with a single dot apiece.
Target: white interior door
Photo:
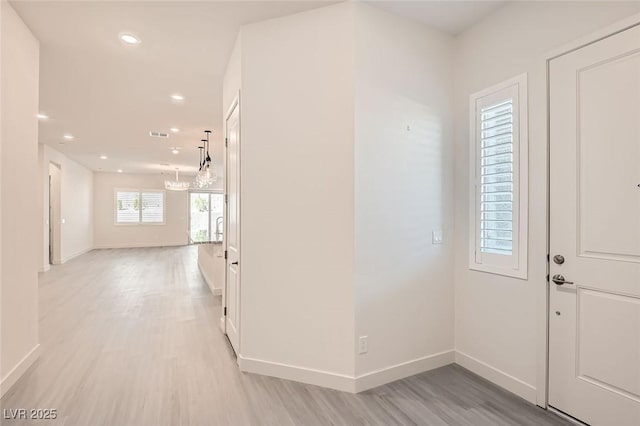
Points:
(594, 324)
(232, 234)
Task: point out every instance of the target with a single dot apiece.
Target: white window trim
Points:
(515, 265)
(140, 222)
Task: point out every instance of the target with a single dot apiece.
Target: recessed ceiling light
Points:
(175, 151)
(177, 97)
(103, 157)
(42, 116)
(174, 129)
(119, 170)
(129, 38)
(68, 136)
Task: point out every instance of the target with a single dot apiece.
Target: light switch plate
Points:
(436, 237)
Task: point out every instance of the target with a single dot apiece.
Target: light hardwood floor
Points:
(130, 337)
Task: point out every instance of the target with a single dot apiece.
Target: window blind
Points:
(152, 207)
(496, 178)
(139, 207)
(127, 207)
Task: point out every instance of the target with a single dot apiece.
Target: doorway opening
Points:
(55, 220)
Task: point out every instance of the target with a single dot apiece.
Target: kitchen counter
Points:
(211, 264)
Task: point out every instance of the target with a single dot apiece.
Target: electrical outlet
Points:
(436, 237)
(363, 346)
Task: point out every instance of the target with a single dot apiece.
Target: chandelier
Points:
(176, 185)
(206, 176)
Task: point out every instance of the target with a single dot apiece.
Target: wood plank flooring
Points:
(130, 338)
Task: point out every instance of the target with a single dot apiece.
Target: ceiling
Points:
(110, 95)
(449, 16)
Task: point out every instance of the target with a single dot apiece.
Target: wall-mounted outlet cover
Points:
(436, 237)
(363, 345)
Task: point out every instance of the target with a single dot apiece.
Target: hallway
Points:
(130, 336)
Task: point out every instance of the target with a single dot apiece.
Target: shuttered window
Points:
(127, 207)
(496, 178)
(498, 190)
(139, 207)
(153, 207)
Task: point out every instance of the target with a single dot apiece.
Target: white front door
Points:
(594, 324)
(232, 229)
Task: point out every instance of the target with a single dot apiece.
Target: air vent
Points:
(159, 135)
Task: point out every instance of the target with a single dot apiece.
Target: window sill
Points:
(496, 270)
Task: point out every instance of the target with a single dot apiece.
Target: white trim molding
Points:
(498, 377)
(20, 368)
(140, 245)
(497, 259)
(345, 382)
(327, 379)
(402, 370)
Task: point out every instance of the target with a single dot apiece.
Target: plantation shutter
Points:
(153, 207)
(496, 178)
(127, 207)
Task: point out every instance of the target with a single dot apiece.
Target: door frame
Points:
(54, 216)
(545, 292)
(235, 103)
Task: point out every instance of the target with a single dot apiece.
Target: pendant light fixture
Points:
(206, 172)
(176, 185)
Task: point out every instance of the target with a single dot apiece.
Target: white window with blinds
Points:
(135, 207)
(499, 181)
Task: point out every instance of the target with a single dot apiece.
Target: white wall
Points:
(232, 81)
(339, 200)
(403, 191)
(19, 200)
(76, 206)
(107, 234)
(499, 329)
(297, 213)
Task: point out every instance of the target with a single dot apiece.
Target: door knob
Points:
(559, 280)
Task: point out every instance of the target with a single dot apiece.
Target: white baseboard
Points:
(347, 383)
(44, 268)
(16, 372)
(74, 255)
(344, 382)
(138, 245)
(209, 281)
(402, 370)
(500, 378)
(310, 376)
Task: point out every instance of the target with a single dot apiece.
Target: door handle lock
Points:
(234, 263)
(559, 280)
